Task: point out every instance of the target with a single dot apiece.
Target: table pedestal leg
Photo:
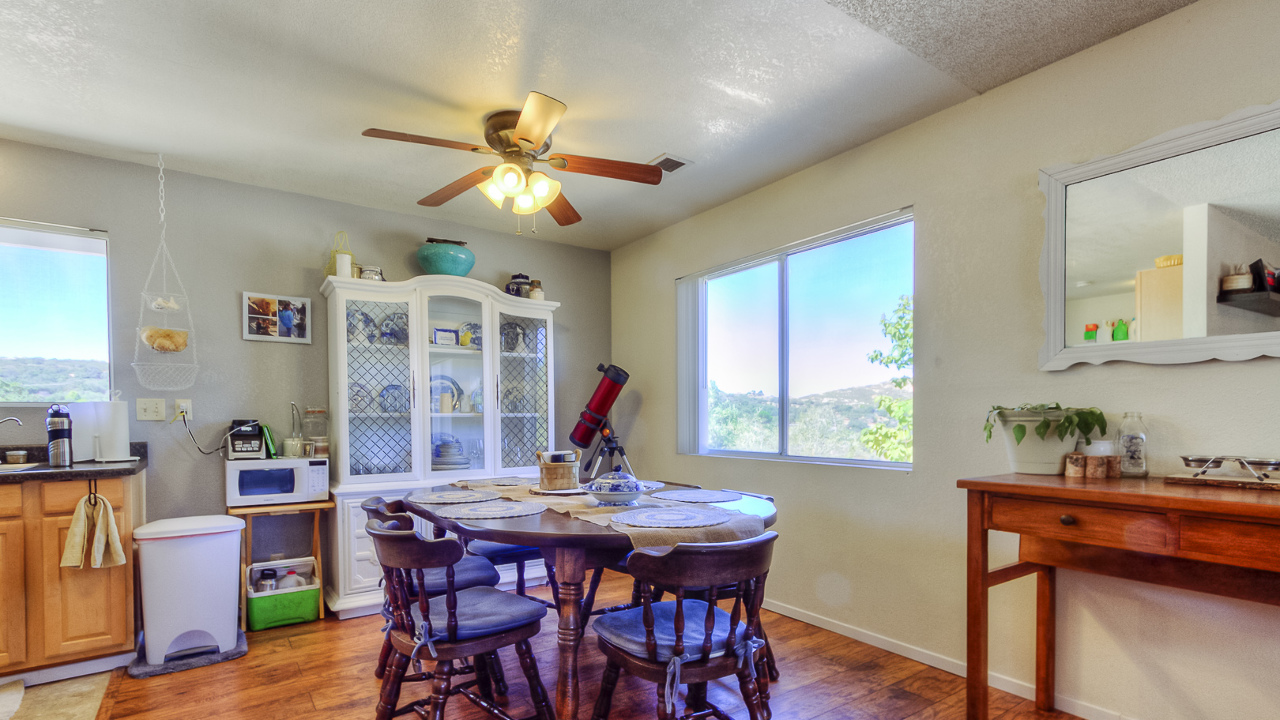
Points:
(571, 569)
(976, 666)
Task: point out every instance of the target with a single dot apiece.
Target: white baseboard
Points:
(942, 662)
(535, 574)
(71, 670)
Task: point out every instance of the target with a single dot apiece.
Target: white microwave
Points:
(278, 481)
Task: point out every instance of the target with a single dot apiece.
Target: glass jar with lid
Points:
(1133, 446)
(315, 427)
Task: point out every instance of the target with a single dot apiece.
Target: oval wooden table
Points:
(576, 546)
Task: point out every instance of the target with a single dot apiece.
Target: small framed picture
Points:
(276, 318)
(440, 336)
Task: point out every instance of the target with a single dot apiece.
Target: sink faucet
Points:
(13, 419)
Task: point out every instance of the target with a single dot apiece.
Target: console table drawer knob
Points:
(1067, 520)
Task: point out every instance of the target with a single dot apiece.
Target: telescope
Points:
(595, 419)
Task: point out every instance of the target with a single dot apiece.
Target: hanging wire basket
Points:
(164, 350)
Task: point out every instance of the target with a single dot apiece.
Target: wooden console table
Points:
(1223, 541)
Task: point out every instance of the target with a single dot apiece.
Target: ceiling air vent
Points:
(669, 163)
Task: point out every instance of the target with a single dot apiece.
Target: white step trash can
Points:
(190, 569)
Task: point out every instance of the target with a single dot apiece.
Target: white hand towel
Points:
(93, 528)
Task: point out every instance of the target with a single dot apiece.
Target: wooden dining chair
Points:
(469, 572)
(474, 622)
(504, 554)
(654, 641)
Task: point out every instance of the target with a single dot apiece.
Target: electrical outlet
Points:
(151, 409)
(182, 405)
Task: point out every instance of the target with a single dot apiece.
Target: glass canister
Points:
(1133, 446)
(315, 427)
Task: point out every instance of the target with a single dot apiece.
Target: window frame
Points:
(691, 347)
(54, 229)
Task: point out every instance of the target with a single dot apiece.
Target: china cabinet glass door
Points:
(380, 388)
(523, 389)
(456, 384)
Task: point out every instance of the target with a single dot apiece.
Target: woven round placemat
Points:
(490, 510)
(698, 496)
(451, 497)
(672, 517)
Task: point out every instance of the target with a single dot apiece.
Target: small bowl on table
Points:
(615, 489)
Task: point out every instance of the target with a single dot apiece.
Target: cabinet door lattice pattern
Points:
(523, 395)
(379, 373)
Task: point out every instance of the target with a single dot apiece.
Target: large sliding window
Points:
(54, 344)
(803, 353)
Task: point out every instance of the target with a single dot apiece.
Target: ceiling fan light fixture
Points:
(492, 193)
(525, 204)
(544, 189)
(510, 179)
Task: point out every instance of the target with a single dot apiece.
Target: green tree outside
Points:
(893, 441)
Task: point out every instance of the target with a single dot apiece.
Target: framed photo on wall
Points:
(276, 318)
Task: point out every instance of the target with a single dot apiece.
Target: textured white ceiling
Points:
(276, 93)
(985, 43)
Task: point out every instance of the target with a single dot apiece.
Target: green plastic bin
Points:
(288, 606)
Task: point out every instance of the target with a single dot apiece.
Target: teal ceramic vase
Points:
(445, 257)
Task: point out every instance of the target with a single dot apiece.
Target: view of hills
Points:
(50, 380)
(822, 425)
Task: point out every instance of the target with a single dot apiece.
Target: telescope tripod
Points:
(610, 446)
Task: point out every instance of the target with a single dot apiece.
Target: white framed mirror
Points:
(1161, 254)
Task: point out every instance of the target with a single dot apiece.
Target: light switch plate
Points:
(151, 409)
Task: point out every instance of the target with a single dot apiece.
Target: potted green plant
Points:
(1053, 424)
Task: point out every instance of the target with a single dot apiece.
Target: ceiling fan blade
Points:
(424, 140)
(617, 169)
(562, 212)
(537, 120)
(456, 188)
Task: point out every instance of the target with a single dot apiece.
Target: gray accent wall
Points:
(227, 238)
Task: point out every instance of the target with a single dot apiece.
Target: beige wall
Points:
(227, 238)
(883, 552)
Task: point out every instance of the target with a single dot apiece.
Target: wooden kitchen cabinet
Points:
(50, 615)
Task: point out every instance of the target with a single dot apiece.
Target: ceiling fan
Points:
(520, 138)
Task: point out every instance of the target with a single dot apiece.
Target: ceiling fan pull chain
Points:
(518, 231)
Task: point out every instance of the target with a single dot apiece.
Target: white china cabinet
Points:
(431, 380)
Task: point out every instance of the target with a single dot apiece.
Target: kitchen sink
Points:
(20, 467)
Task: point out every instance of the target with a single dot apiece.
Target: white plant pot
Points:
(1035, 456)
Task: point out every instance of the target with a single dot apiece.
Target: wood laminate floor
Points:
(324, 670)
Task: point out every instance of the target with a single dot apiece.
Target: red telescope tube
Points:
(598, 407)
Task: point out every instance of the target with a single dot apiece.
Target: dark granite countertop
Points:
(79, 471)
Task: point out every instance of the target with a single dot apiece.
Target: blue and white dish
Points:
(360, 327)
(358, 398)
(395, 329)
(451, 497)
(650, 485)
(698, 496)
(474, 329)
(394, 399)
(672, 517)
(615, 489)
(490, 510)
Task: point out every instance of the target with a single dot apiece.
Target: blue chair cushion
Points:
(502, 553)
(469, 572)
(625, 630)
(481, 611)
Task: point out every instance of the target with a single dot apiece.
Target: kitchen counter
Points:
(78, 471)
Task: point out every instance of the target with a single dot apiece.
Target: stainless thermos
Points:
(59, 426)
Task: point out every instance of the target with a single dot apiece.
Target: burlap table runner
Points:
(740, 526)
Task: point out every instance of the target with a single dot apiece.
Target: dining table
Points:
(573, 547)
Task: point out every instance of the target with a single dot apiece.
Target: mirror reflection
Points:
(1180, 248)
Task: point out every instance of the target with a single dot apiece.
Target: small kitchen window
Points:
(54, 327)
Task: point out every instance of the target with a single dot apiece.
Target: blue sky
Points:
(54, 304)
(837, 295)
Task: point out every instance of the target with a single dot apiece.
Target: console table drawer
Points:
(1257, 543)
(1082, 523)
